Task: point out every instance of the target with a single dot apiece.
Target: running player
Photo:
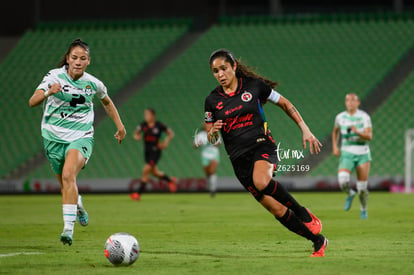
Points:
(153, 146)
(235, 109)
(355, 128)
(210, 158)
(67, 93)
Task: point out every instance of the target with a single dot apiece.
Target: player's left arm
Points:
(293, 113)
(366, 134)
(168, 138)
(112, 112)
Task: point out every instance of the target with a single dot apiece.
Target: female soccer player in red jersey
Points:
(235, 109)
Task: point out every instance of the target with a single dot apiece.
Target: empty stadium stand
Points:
(119, 50)
(315, 60)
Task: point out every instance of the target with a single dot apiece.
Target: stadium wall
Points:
(225, 184)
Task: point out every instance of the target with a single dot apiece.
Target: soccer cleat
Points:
(135, 196)
(348, 202)
(364, 214)
(82, 215)
(315, 225)
(172, 184)
(66, 237)
(319, 247)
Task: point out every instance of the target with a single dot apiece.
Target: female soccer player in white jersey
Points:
(355, 128)
(67, 129)
(210, 158)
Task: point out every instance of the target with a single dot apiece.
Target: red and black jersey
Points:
(243, 114)
(152, 135)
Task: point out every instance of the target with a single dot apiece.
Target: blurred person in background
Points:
(355, 129)
(210, 158)
(151, 131)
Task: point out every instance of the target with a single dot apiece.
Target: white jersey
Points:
(208, 150)
(351, 142)
(68, 115)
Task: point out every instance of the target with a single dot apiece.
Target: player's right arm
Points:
(40, 95)
(137, 134)
(335, 135)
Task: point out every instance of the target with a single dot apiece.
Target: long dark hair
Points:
(242, 69)
(75, 43)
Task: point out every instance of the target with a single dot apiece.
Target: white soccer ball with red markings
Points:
(122, 249)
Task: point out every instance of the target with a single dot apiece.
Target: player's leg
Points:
(74, 162)
(346, 165)
(146, 171)
(344, 177)
(289, 219)
(210, 171)
(244, 170)
(262, 178)
(163, 176)
(362, 187)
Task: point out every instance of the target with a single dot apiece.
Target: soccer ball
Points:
(122, 249)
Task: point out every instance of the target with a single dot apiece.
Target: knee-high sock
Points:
(279, 193)
(344, 183)
(362, 187)
(166, 178)
(142, 188)
(69, 216)
(294, 224)
(212, 183)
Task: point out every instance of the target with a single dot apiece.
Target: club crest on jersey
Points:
(208, 116)
(88, 90)
(246, 96)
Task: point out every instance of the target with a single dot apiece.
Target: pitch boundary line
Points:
(19, 253)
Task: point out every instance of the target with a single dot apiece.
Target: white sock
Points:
(212, 183)
(362, 187)
(80, 204)
(69, 216)
(343, 180)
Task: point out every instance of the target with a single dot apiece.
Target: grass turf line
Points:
(194, 234)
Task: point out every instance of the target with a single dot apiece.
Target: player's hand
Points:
(336, 151)
(217, 126)
(120, 134)
(162, 145)
(55, 88)
(314, 144)
(354, 129)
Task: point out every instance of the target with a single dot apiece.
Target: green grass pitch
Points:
(194, 234)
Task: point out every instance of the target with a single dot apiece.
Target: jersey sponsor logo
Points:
(219, 105)
(233, 110)
(155, 131)
(208, 117)
(238, 122)
(246, 96)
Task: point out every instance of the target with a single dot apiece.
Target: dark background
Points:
(17, 16)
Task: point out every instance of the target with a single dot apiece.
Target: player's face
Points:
(351, 102)
(223, 71)
(149, 116)
(78, 59)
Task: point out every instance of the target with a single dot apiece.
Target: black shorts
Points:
(152, 157)
(243, 166)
